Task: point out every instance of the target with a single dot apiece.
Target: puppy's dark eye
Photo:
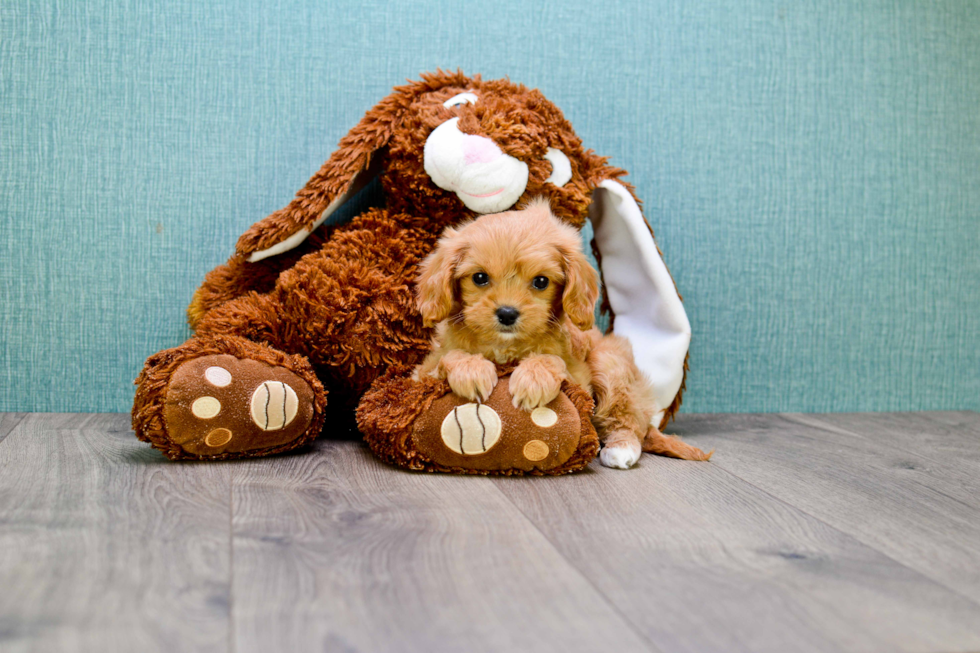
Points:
(540, 283)
(481, 278)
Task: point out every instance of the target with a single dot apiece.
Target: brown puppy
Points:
(516, 286)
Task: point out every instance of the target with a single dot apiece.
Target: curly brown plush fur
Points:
(342, 299)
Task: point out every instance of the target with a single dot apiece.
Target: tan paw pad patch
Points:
(218, 438)
(273, 406)
(218, 376)
(471, 429)
(545, 418)
(205, 407)
(536, 450)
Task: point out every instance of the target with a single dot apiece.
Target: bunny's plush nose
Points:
(507, 315)
(484, 177)
(477, 149)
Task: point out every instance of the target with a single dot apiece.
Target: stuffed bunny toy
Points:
(305, 306)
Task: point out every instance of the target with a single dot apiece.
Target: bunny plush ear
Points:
(641, 293)
(346, 172)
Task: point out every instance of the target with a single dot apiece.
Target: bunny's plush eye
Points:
(459, 100)
(481, 278)
(561, 167)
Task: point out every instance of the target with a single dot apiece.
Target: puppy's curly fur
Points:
(516, 286)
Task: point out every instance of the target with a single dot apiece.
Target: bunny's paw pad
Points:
(496, 437)
(221, 404)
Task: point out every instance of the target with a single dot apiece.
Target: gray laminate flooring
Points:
(804, 533)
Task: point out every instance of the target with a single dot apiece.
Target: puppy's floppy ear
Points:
(581, 289)
(435, 287)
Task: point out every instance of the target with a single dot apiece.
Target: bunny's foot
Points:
(220, 405)
(423, 425)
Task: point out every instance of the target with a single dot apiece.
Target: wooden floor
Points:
(805, 533)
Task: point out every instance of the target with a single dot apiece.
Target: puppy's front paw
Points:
(473, 378)
(536, 381)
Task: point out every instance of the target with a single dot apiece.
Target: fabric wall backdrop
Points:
(811, 170)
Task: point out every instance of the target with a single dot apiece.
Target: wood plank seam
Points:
(846, 534)
(816, 423)
(94, 555)
(232, 644)
(819, 425)
(321, 516)
(612, 606)
(13, 420)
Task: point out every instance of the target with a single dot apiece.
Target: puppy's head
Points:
(509, 277)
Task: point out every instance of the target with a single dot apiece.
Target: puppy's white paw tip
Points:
(618, 457)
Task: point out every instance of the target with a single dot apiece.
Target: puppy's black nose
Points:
(507, 315)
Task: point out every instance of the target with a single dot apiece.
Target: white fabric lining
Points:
(641, 292)
(298, 237)
(360, 180)
(561, 167)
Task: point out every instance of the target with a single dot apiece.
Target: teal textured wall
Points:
(812, 172)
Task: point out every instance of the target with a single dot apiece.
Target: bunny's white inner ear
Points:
(561, 167)
(641, 293)
(360, 180)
